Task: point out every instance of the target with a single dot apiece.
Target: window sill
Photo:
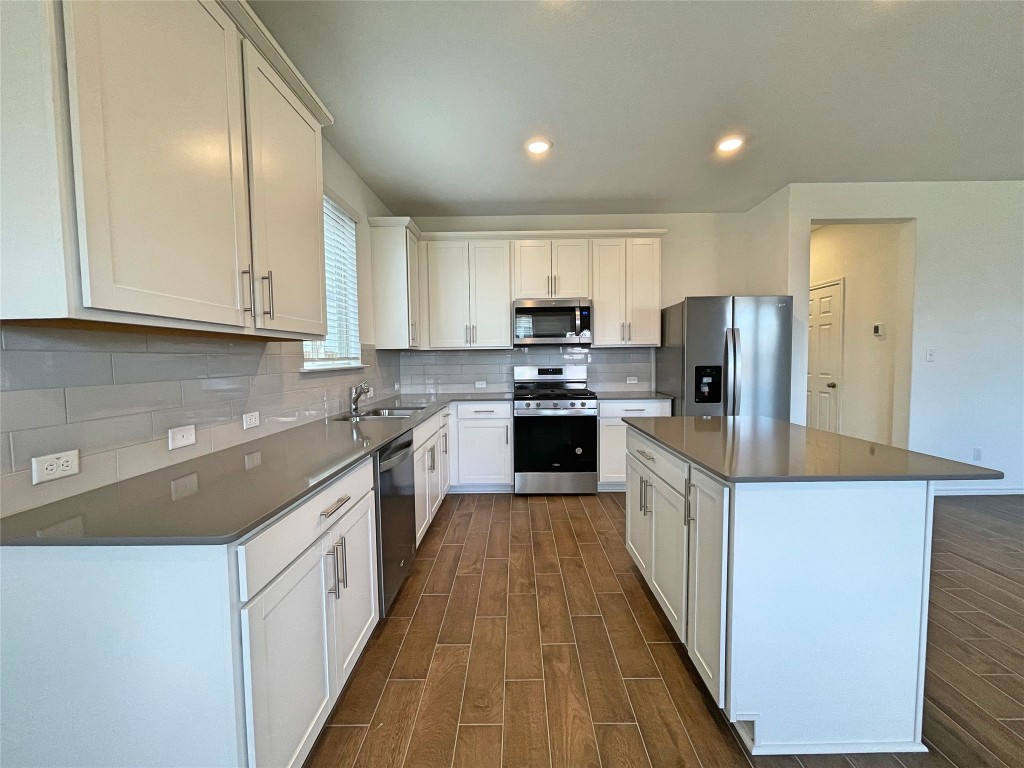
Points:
(331, 367)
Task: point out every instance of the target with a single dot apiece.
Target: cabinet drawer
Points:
(484, 410)
(423, 432)
(638, 408)
(265, 555)
(669, 467)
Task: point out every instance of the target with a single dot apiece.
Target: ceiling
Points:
(433, 101)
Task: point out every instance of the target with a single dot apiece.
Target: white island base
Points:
(801, 595)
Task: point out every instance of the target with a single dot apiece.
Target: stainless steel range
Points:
(555, 426)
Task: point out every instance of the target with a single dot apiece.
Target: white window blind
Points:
(341, 347)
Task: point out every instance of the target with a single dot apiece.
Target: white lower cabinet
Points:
(446, 458)
(484, 438)
(430, 469)
(612, 436)
(356, 605)
(421, 494)
(677, 521)
(288, 653)
(706, 580)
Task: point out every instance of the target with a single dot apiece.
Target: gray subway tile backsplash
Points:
(88, 403)
(31, 369)
(87, 436)
(134, 368)
(32, 408)
(215, 390)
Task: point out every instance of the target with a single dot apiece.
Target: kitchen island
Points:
(793, 564)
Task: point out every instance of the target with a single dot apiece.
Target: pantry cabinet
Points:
(173, 179)
(396, 282)
(469, 304)
(545, 269)
(627, 292)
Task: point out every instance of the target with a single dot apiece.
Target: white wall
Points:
(968, 305)
(867, 258)
(343, 183)
(701, 254)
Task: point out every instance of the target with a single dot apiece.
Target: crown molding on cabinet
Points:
(252, 28)
(395, 221)
(543, 234)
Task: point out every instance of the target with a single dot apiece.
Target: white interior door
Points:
(159, 149)
(825, 356)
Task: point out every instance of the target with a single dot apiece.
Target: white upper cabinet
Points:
(627, 292)
(159, 158)
(490, 308)
(396, 283)
(532, 269)
(570, 269)
(551, 269)
(173, 179)
(448, 277)
(469, 304)
(286, 178)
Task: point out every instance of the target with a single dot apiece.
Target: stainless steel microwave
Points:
(551, 321)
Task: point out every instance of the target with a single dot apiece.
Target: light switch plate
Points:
(929, 355)
(250, 420)
(481, 385)
(54, 466)
(631, 379)
(179, 437)
(184, 486)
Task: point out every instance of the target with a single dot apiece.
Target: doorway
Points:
(860, 328)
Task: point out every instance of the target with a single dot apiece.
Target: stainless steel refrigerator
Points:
(727, 356)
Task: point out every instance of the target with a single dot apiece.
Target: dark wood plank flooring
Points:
(525, 637)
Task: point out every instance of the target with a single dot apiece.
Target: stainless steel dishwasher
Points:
(396, 517)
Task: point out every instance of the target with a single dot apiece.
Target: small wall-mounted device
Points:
(878, 329)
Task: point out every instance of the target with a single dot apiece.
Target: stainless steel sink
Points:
(376, 414)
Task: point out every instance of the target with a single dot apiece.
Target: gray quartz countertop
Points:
(642, 395)
(750, 449)
(230, 501)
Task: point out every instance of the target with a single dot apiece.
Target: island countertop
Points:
(752, 449)
(238, 489)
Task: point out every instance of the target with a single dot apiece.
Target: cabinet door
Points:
(412, 260)
(286, 182)
(288, 657)
(612, 454)
(490, 303)
(706, 581)
(531, 269)
(638, 522)
(485, 455)
(570, 269)
(643, 291)
(158, 142)
(448, 275)
(421, 494)
(609, 318)
(667, 510)
(356, 607)
(434, 477)
(445, 460)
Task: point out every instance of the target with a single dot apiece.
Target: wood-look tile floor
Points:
(525, 637)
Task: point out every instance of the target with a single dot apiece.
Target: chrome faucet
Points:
(357, 393)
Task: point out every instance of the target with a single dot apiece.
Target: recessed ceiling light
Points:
(727, 145)
(538, 145)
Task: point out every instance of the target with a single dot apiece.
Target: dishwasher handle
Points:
(394, 454)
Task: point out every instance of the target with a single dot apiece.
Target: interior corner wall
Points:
(345, 184)
(968, 306)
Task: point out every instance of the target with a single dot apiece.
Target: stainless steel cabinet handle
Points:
(549, 285)
(645, 454)
(689, 518)
(622, 331)
(554, 280)
(473, 337)
(343, 546)
(629, 331)
(643, 496)
(445, 449)
(634, 410)
(430, 456)
(336, 506)
(336, 589)
(506, 434)
(252, 294)
(490, 411)
(269, 279)
(467, 334)
(412, 330)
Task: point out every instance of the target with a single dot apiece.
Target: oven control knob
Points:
(573, 405)
(526, 406)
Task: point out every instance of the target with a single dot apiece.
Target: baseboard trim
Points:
(496, 488)
(973, 491)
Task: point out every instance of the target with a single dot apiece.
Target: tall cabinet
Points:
(394, 247)
(627, 292)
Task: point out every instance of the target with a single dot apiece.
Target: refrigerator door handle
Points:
(728, 394)
(737, 372)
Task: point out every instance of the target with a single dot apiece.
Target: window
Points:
(341, 347)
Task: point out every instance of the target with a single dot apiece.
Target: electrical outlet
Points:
(480, 385)
(54, 466)
(250, 420)
(253, 460)
(397, 386)
(184, 486)
(369, 393)
(179, 437)
(631, 379)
